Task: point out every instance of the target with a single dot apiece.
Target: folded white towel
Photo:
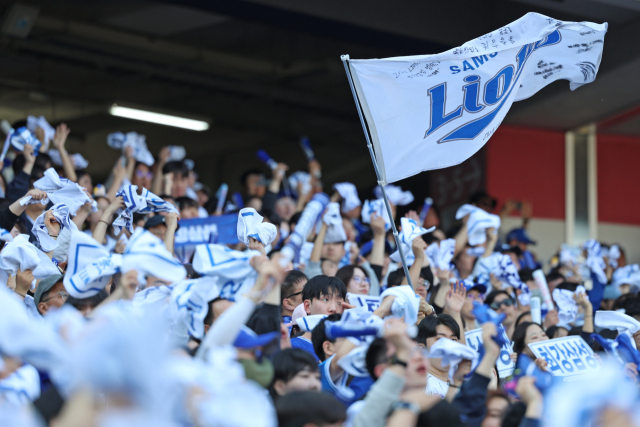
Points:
(335, 229)
(567, 306)
(41, 122)
(452, 353)
(137, 142)
(377, 207)
(594, 260)
(410, 231)
(627, 275)
(20, 255)
(440, 254)
(477, 225)
(146, 202)
(61, 213)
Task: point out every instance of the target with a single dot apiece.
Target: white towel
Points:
(21, 387)
(627, 275)
(89, 266)
(335, 229)
(60, 212)
(177, 153)
(508, 273)
(233, 269)
(307, 323)
(441, 254)
(59, 190)
(20, 255)
(410, 231)
(349, 194)
(567, 306)
(477, 225)
(616, 320)
(614, 255)
(377, 207)
(79, 162)
(394, 194)
(465, 210)
(21, 137)
(250, 225)
(190, 303)
(300, 178)
(147, 202)
(41, 122)
(405, 304)
(452, 353)
(141, 153)
(594, 260)
(5, 235)
(146, 253)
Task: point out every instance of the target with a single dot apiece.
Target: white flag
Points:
(434, 111)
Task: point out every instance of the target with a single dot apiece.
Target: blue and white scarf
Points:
(145, 203)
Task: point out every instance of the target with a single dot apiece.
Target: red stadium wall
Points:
(528, 164)
(618, 179)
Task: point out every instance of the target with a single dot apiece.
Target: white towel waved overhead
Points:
(190, 303)
(21, 255)
(616, 320)
(141, 153)
(233, 269)
(434, 111)
(594, 260)
(375, 206)
(41, 122)
(147, 202)
(405, 304)
(147, 254)
(59, 190)
(410, 231)
(627, 275)
(250, 225)
(349, 194)
(394, 194)
(567, 306)
(89, 267)
(440, 255)
(335, 229)
(79, 162)
(300, 178)
(60, 212)
(478, 223)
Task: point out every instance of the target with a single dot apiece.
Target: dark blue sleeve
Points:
(529, 422)
(471, 400)
(596, 293)
(18, 187)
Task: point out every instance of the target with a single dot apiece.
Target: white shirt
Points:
(436, 386)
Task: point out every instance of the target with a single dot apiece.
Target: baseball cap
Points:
(520, 235)
(45, 285)
(155, 221)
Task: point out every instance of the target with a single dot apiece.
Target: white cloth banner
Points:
(566, 356)
(434, 111)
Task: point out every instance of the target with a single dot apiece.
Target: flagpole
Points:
(381, 183)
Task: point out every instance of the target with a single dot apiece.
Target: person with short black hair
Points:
(87, 305)
(295, 370)
(291, 293)
(188, 207)
(332, 375)
(320, 295)
(309, 409)
(430, 330)
(179, 178)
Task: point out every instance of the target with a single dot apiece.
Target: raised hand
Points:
(454, 300)
(52, 224)
(62, 132)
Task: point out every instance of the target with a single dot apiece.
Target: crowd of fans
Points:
(104, 323)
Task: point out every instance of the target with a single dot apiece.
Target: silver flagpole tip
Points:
(344, 57)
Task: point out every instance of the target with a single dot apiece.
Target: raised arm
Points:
(59, 140)
(171, 221)
(106, 219)
(418, 247)
(119, 173)
(158, 177)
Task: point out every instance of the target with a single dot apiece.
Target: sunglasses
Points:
(141, 174)
(496, 305)
(62, 295)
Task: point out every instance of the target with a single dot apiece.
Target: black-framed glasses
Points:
(62, 295)
(497, 304)
(293, 295)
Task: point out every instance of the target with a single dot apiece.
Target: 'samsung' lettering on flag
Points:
(434, 111)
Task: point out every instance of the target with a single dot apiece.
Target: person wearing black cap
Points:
(50, 293)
